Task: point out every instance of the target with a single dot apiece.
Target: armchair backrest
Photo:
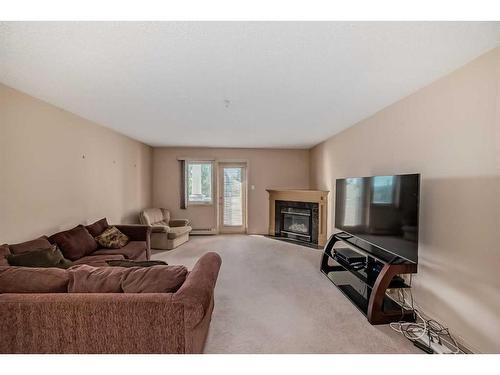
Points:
(154, 216)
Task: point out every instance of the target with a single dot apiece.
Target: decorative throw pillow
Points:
(45, 258)
(98, 227)
(75, 243)
(37, 244)
(4, 251)
(33, 280)
(135, 263)
(112, 238)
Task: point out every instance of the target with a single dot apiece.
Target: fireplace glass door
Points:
(296, 222)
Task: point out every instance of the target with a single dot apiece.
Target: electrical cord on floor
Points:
(429, 332)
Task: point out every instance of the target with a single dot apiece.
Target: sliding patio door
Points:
(232, 198)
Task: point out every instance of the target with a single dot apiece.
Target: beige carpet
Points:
(271, 298)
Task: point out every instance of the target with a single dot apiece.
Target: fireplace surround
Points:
(298, 215)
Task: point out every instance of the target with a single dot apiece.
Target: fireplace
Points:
(297, 221)
(299, 216)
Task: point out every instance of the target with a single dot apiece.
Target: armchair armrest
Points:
(178, 222)
(197, 291)
(160, 229)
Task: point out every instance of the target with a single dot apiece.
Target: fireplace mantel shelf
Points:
(296, 191)
(300, 195)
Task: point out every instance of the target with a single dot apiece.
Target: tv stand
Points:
(365, 284)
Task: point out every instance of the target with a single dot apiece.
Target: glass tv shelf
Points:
(365, 282)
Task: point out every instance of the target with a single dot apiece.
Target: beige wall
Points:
(266, 169)
(46, 184)
(450, 133)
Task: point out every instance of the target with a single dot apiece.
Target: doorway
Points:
(232, 197)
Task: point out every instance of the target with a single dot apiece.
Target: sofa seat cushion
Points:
(98, 260)
(175, 232)
(133, 250)
(23, 247)
(155, 279)
(98, 227)
(33, 280)
(74, 243)
(89, 279)
(135, 263)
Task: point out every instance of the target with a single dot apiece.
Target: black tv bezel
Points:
(370, 243)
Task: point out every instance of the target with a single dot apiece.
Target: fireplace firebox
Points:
(297, 221)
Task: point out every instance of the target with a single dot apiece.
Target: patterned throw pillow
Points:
(112, 238)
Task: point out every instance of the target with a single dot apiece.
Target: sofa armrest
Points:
(138, 232)
(91, 323)
(196, 293)
(178, 222)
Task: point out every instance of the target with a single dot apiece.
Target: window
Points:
(199, 182)
(233, 196)
(383, 190)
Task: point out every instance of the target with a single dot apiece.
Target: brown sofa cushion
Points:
(74, 243)
(98, 227)
(51, 257)
(98, 260)
(112, 238)
(38, 244)
(155, 279)
(88, 279)
(33, 280)
(4, 251)
(135, 263)
(135, 250)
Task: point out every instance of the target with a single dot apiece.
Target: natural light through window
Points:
(383, 190)
(233, 197)
(353, 209)
(199, 182)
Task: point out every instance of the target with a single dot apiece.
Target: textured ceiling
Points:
(233, 84)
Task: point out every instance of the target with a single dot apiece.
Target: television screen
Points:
(381, 210)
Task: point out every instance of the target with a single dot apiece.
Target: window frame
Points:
(189, 202)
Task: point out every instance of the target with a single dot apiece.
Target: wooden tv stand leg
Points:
(376, 314)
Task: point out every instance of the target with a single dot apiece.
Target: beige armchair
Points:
(166, 233)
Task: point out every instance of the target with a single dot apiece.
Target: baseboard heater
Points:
(203, 231)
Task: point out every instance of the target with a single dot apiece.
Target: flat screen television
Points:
(382, 211)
